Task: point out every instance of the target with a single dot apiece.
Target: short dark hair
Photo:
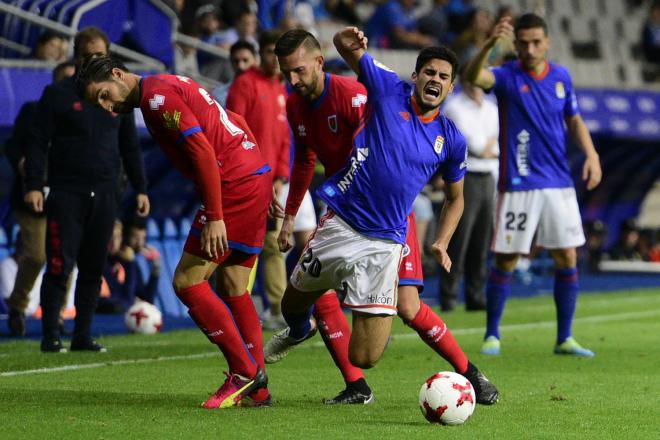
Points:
(437, 52)
(57, 71)
(267, 38)
(293, 39)
(94, 68)
(46, 36)
(242, 45)
(530, 21)
(85, 36)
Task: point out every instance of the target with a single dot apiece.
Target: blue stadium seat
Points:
(184, 227)
(153, 232)
(155, 39)
(169, 229)
(4, 244)
(111, 16)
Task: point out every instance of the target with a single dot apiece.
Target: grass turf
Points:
(151, 386)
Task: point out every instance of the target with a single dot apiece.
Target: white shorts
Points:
(306, 216)
(552, 213)
(363, 270)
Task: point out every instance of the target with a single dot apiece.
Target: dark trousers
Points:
(468, 248)
(78, 231)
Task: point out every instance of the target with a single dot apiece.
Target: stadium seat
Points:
(184, 227)
(4, 244)
(169, 229)
(153, 232)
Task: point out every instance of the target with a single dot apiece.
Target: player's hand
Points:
(591, 172)
(351, 38)
(143, 205)
(440, 252)
(502, 30)
(214, 239)
(275, 210)
(34, 201)
(283, 240)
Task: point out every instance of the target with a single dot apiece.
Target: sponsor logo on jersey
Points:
(524, 88)
(358, 100)
(361, 155)
(405, 116)
(301, 131)
(332, 123)
(439, 143)
(156, 102)
(560, 90)
(436, 333)
(172, 121)
(522, 153)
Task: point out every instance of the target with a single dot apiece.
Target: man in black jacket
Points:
(31, 249)
(86, 144)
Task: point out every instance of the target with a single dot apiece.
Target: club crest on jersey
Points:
(156, 102)
(559, 90)
(439, 143)
(172, 120)
(301, 131)
(332, 123)
(406, 251)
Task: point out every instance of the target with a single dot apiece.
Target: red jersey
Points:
(323, 127)
(261, 100)
(206, 143)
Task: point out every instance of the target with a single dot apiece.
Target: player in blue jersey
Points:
(535, 192)
(357, 246)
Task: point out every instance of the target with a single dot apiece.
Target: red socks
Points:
(214, 319)
(432, 329)
(336, 334)
(247, 321)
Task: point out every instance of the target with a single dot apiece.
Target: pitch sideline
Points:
(460, 331)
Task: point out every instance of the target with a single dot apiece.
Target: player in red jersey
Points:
(324, 113)
(216, 150)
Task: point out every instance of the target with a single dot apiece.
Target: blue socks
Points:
(497, 291)
(566, 290)
(299, 325)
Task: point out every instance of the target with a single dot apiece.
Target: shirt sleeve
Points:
(301, 177)
(456, 161)
(131, 154)
(378, 79)
(37, 148)
(175, 123)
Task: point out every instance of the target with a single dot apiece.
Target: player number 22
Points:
(511, 221)
(310, 264)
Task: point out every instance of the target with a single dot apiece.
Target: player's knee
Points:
(180, 281)
(506, 262)
(407, 305)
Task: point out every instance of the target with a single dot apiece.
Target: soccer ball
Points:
(143, 318)
(447, 398)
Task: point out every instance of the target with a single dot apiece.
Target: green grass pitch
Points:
(151, 386)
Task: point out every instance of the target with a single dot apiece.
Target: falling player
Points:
(216, 150)
(536, 193)
(324, 113)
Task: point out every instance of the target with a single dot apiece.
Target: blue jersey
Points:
(532, 111)
(395, 153)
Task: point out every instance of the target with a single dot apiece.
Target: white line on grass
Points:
(459, 331)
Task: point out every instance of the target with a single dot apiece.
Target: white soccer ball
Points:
(447, 398)
(143, 317)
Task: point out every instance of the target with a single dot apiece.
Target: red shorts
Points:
(410, 271)
(245, 209)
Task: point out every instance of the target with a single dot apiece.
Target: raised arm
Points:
(351, 43)
(476, 71)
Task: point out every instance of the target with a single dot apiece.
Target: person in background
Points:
(83, 147)
(260, 97)
(243, 56)
(30, 253)
(477, 118)
(393, 25)
(536, 195)
(51, 46)
(122, 274)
